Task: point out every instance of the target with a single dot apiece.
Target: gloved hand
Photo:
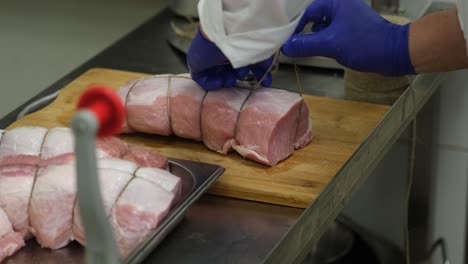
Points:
(353, 34)
(212, 70)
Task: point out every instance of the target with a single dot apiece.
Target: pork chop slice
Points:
(219, 116)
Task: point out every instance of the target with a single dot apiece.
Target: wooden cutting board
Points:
(339, 128)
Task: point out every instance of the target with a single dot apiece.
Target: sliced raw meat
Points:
(145, 158)
(19, 153)
(163, 178)
(147, 106)
(112, 181)
(219, 116)
(267, 126)
(10, 241)
(51, 208)
(186, 98)
(304, 131)
(138, 212)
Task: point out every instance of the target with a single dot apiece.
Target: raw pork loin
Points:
(38, 189)
(265, 125)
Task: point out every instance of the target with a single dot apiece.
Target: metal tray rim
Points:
(170, 222)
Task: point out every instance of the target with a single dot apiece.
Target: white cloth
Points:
(249, 31)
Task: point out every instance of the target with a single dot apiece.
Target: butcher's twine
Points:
(273, 64)
(298, 80)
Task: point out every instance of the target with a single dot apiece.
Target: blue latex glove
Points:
(353, 34)
(212, 70)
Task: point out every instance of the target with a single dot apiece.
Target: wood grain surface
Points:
(339, 128)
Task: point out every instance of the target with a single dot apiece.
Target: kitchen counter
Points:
(226, 230)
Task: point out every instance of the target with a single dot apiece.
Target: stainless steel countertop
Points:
(225, 230)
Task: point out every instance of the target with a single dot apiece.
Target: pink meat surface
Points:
(19, 153)
(51, 207)
(138, 212)
(22, 141)
(147, 106)
(145, 158)
(114, 175)
(267, 126)
(219, 116)
(58, 147)
(16, 183)
(111, 147)
(118, 164)
(186, 98)
(58, 141)
(304, 131)
(10, 241)
(123, 93)
(163, 178)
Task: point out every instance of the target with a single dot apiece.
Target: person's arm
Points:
(361, 39)
(437, 44)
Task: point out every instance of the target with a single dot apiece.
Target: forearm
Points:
(437, 44)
